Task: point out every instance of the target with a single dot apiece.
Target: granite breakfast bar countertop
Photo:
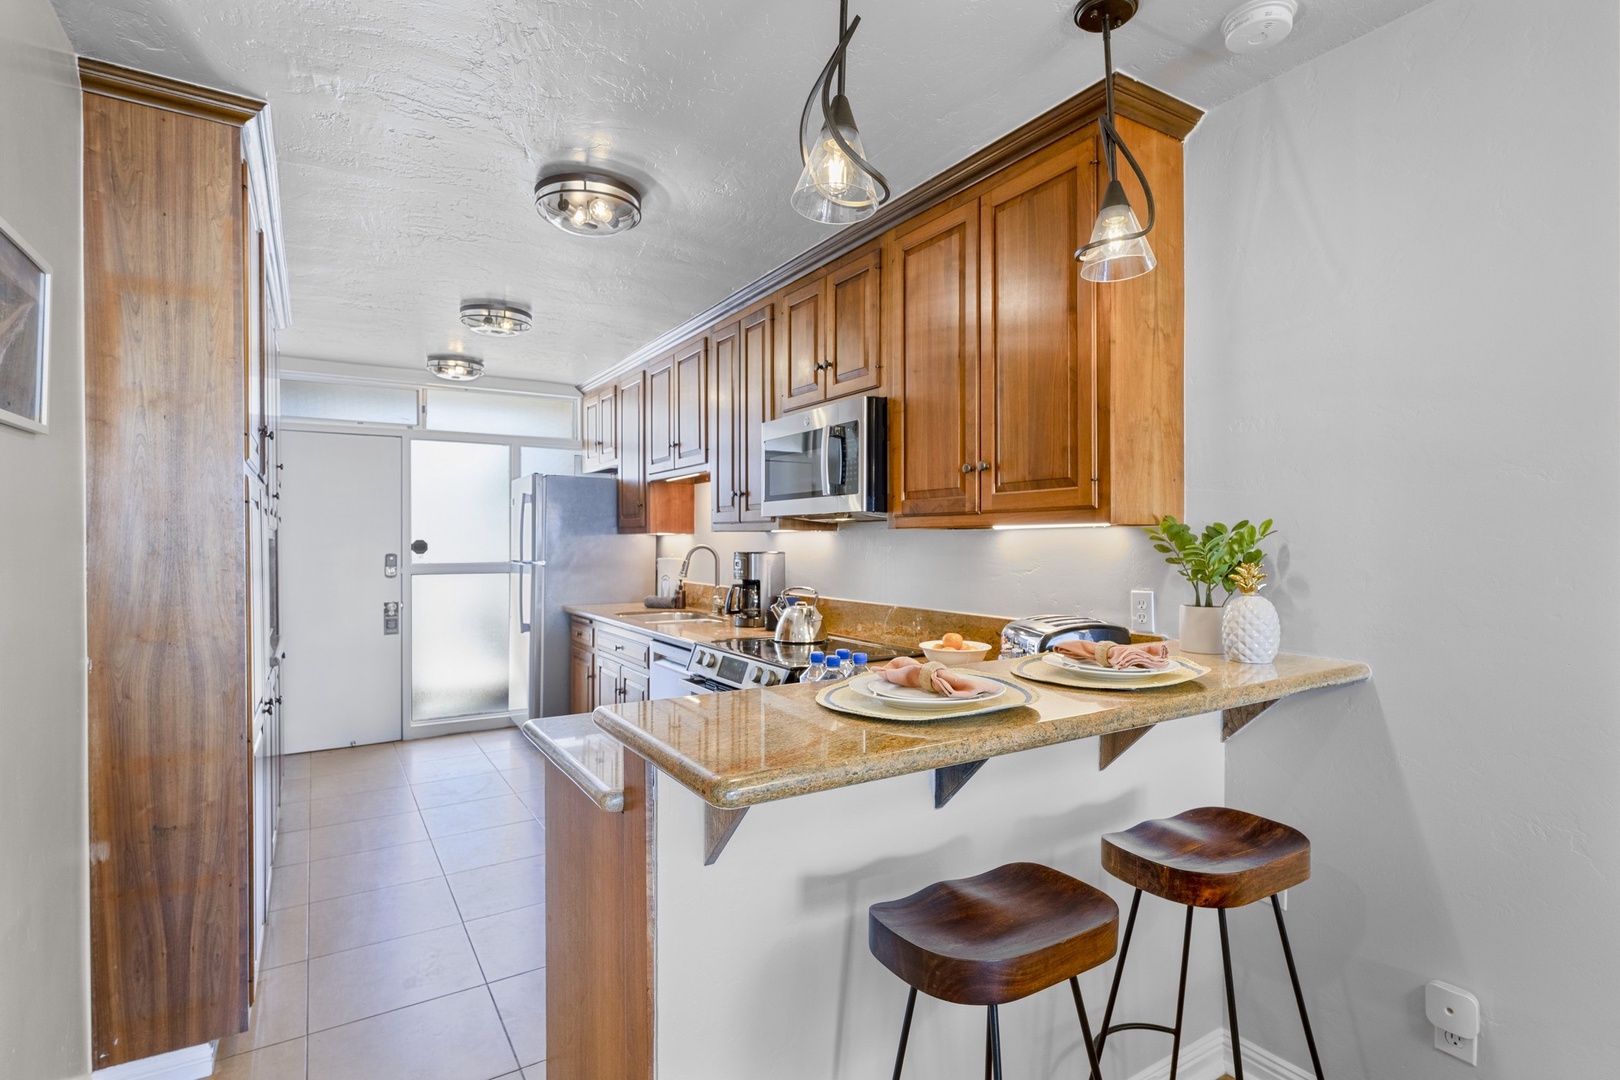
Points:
(739, 749)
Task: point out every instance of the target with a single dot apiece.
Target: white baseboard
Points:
(191, 1063)
(1210, 1057)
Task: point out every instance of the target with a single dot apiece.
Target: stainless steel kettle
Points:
(797, 620)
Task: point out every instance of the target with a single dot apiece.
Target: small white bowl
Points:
(970, 653)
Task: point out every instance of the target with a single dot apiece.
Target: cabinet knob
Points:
(983, 465)
(966, 468)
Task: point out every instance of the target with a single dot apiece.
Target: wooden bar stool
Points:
(995, 938)
(1212, 857)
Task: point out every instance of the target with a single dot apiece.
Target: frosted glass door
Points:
(460, 654)
(459, 497)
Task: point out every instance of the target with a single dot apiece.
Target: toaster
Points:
(1038, 633)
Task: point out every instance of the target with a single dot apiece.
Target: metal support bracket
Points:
(1235, 720)
(718, 825)
(1111, 745)
(951, 779)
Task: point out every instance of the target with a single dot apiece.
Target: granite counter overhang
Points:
(738, 749)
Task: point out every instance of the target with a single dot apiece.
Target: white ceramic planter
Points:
(1200, 629)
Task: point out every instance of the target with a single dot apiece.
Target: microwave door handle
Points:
(826, 461)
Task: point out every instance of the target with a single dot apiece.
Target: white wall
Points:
(1402, 278)
(44, 889)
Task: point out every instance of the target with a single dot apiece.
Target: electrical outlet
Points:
(1142, 611)
(1454, 1012)
(1457, 1046)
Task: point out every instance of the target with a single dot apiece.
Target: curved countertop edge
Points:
(1096, 714)
(593, 760)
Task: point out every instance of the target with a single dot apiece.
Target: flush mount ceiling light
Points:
(838, 185)
(455, 366)
(588, 203)
(1259, 24)
(1118, 249)
(494, 318)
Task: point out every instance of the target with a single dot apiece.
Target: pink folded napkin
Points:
(1150, 656)
(935, 677)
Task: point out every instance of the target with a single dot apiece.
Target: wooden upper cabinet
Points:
(756, 403)
(828, 343)
(689, 421)
(599, 422)
(660, 418)
(931, 308)
(631, 427)
(590, 430)
(1037, 325)
(726, 353)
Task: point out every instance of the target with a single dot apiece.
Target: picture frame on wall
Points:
(25, 293)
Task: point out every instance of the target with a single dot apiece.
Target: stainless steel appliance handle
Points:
(524, 626)
(826, 461)
(524, 536)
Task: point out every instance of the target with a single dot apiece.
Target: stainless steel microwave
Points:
(829, 462)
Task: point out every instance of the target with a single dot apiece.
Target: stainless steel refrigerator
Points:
(566, 549)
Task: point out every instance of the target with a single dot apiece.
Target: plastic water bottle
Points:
(817, 671)
(843, 656)
(858, 666)
(837, 667)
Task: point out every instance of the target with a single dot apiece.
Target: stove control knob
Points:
(771, 678)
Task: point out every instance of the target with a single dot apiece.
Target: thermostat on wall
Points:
(1259, 24)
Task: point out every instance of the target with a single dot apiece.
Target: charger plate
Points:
(842, 697)
(1036, 669)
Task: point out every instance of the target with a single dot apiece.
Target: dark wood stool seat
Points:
(995, 938)
(1213, 857)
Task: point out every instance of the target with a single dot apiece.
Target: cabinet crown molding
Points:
(162, 92)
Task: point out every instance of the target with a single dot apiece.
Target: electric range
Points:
(745, 663)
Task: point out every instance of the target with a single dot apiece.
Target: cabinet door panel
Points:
(725, 422)
(802, 349)
(635, 685)
(688, 420)
(659, 422)
(632, 461)
(590, 423)
(605, 676)
(755, 404)
(608, 455)
(932, 328)
(581, 680)
(1038, 388)
(853, 361)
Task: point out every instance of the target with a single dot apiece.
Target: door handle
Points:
(390, 616)
(390, 565)
(966, 468)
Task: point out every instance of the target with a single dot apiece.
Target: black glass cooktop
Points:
(797, 657)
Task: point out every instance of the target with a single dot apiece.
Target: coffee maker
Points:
(760, 577)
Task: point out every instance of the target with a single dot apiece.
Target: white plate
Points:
(1092, 668)
(1181, 670)
(912, 697)
(848, 697)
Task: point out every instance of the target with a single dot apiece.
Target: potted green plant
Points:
(1206, 559)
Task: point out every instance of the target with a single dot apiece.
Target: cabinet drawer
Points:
(626, 650)
(581, 631)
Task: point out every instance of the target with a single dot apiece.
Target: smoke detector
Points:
(1258, 24)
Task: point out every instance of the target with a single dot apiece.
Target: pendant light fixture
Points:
(1118, 248)
(588, 203)
(455, 366)
(838, 185)
(495, 318)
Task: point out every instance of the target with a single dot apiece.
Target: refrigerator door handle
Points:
(525, 537)
(524, 625)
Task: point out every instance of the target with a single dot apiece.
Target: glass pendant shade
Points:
(1120, 252)
(833, 189)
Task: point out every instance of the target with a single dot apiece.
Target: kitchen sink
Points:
(658, 615)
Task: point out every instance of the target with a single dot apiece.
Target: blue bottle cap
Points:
(843, 654)
(860, 658)
(818, 658)
(789, 601)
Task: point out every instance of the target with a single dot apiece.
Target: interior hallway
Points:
(407, 923)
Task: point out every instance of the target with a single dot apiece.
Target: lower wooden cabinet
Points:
(610, 670)
(581, 681)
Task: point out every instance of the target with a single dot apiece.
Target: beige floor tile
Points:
(483, 785)
(366, 834)
(445, 746)
(283, 1061)
(279, 1011)
(286, 937)
(516, 757)
(367, 870)
(360, 805)
(486, 847)
(349, 986)
(522, 1005)
(470, 816)
(295, 767)
(347, 783)
(526, 779)
(349, 922)
(501, 739)
(458, 1037)
(535, 800)
(294, 815)
(510, 943)
(425, 772)
(291, 848)
(490, 890)
(352, 759)
(289, 886)
(535, 1072)
(294, 790)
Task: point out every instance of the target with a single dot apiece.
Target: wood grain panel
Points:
(802, 351)
(725, 415)
(688, 409)
(167, 549)
(599, 931)
(931, 321)
(660, 420)
(1038, 382)
(757, 399)
(632, 461)
(852, 326)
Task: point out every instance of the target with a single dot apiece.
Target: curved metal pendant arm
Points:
(838, 136)
(818, 88)
(1111, 135)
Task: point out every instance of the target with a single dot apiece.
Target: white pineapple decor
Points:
(1250, 630)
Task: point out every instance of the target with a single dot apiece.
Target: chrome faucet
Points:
(686, 563)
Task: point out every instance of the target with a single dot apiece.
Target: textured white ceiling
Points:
(410, 134)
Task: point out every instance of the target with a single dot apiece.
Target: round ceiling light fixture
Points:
(495, 318)
(588, 203)
(455, 366)
(1259, 24)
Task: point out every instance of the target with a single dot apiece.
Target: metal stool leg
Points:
(1231, 999)
(1092, 1052)
(905, 1032)
(1299, 995)
(992, 1045)
(1119, 969)
(1181, 995)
